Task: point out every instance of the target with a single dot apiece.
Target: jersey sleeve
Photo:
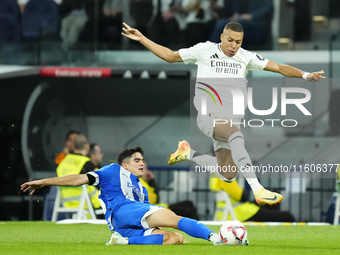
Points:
(101, 176)
(257, 62)
(192, 54)
(93, 178)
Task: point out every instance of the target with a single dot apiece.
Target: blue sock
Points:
(151, 239)
(194, 228)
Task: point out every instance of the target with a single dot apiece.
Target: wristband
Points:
(305, 75)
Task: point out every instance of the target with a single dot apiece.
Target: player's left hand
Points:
(313, 77)
(34, 185)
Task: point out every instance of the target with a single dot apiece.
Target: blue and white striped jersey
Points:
(118, 187)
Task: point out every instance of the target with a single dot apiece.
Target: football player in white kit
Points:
(219, 67)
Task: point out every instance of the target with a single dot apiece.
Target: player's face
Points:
(135, 165)
(231, 42)
(98, 155)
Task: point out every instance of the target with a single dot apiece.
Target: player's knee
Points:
(223, 132)
(232, 130)
(173, 221)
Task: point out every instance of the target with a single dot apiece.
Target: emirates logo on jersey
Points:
(223, 63)
(225, 67)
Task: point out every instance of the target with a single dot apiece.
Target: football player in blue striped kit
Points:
(129, 215)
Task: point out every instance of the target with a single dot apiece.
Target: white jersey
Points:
(220, 78)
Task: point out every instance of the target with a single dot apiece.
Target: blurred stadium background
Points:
(119, 95)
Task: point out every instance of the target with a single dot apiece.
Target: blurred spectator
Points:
(174, 22)
(22, 3)
(69, 146)
(200, 20)
(254, 15)
(79, 21)
(73, 23)
(113, 8)
(141, 12)
(244, 210)
(330, 216)
(184, 208)
(147, 15)
(159, 20)
(92, 162)
(96, 155)
(95, 23)
(155, 24)
(112, 11)
(77, 163)
(10, 8)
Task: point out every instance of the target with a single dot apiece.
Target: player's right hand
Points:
(34, 185)
(131, 33)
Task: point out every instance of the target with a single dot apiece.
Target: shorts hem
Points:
(153, 208)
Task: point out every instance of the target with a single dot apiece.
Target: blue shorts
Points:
(129, 220)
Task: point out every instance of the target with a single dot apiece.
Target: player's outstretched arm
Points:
(159, 50)
(72, 180)
(291, 71)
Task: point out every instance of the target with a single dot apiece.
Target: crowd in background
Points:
(79, 156)
(174, 23)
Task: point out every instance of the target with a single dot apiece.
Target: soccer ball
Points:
(233, 232)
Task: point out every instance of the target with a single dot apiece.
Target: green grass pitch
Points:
(31, 238)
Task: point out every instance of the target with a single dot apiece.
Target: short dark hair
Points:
(234, 26)
(71, 132)
(80, 142)
(127, 153)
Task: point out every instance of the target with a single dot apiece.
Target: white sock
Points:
(205, 160)
(242, 159)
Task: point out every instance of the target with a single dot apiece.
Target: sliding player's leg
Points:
(152, 239)
(143, 221)
(134, 229)
(167, 218)
(169, 237)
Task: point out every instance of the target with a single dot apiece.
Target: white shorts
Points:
(206, 124)
(135, 224)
